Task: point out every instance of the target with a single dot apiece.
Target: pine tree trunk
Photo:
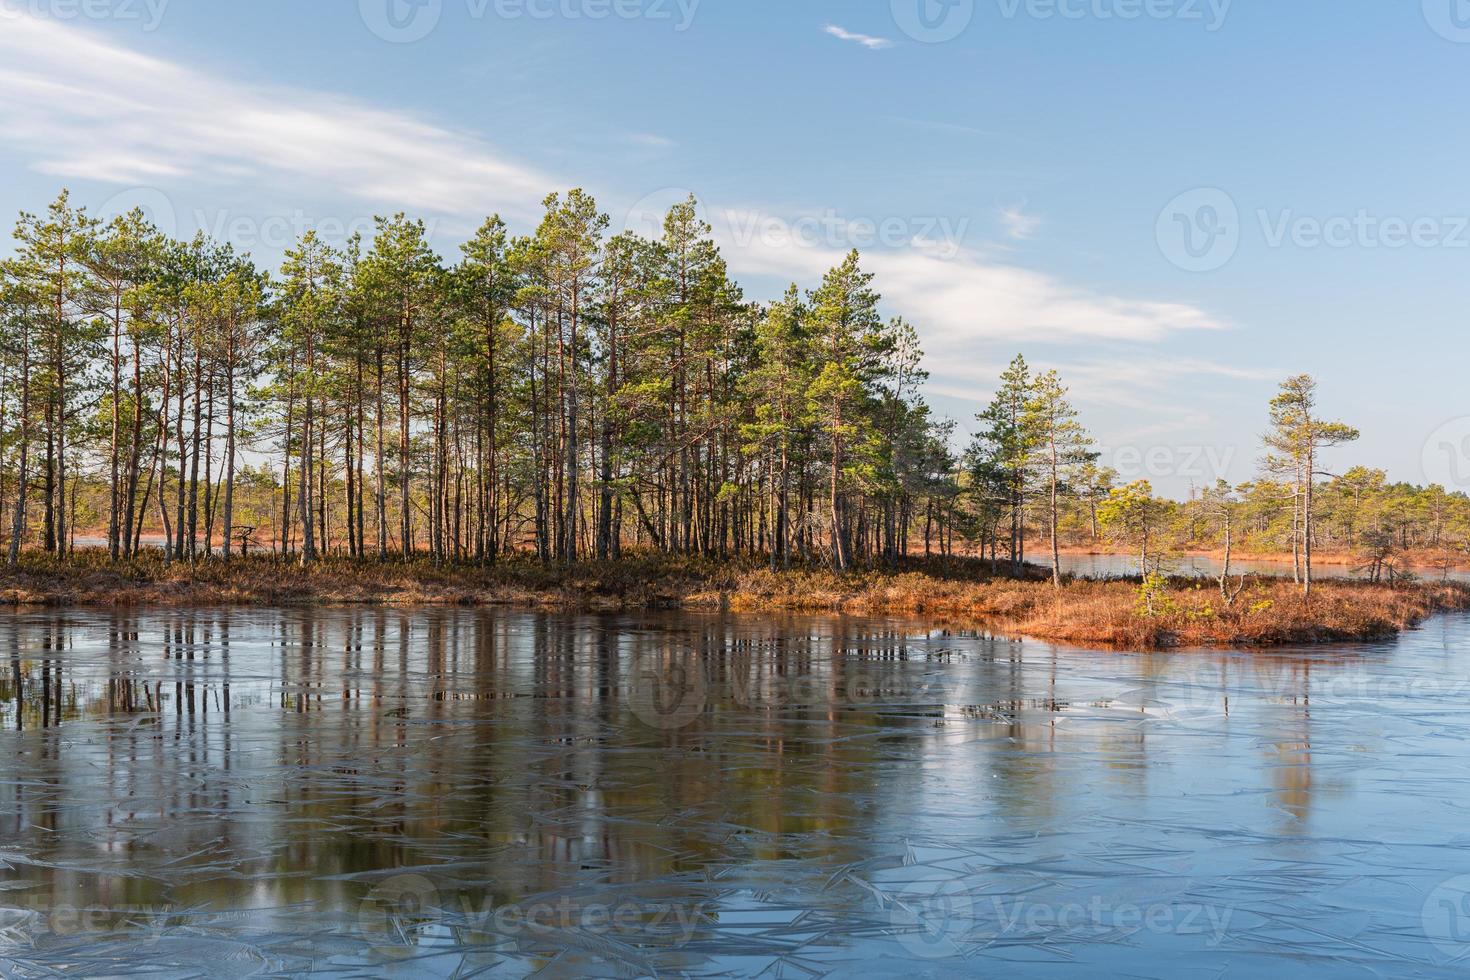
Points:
(18, 522)
(229, 516)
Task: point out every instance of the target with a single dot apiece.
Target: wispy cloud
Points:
(972, 299)
(88, 109)
(962, 300)
(866, 40)
(1018, 224)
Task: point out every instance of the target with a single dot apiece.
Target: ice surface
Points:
(459, 792)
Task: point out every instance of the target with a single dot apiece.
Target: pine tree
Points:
(311, 295)
(1063, 444)
(845, 335)
(776, 388)
(487, 284)
(50, 255)
(1297, 437)
(570, 240)
(1006, 451)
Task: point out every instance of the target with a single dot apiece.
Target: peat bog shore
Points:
(963, 592)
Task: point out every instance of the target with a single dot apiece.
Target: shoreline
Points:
(1419, 563)
(956, 591)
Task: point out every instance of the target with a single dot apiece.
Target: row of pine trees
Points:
(566, 392)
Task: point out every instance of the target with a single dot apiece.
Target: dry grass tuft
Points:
(1190, 613)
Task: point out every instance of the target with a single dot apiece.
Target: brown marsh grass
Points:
(1190, 612)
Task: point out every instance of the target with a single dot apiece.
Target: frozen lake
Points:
(453, 793)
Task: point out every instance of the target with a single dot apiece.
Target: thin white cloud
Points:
(1018, 224)
(970, 299)
(85, 108)
(962, 300)
(866, 40)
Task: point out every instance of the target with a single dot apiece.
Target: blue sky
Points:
(1020, 174)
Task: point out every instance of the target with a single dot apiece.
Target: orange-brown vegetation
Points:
(1188, 612)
